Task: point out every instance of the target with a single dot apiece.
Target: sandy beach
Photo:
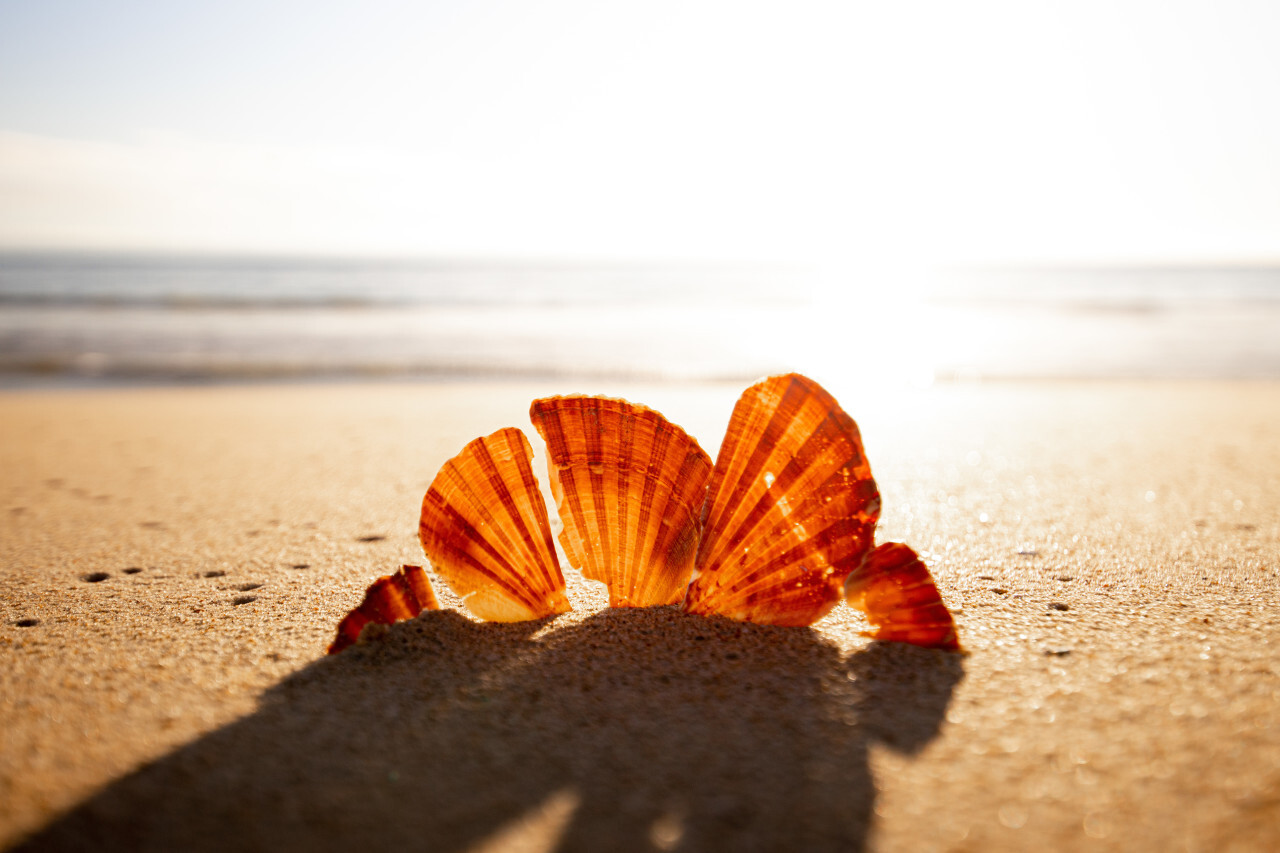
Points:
(174, 562)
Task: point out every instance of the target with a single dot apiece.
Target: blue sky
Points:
(940, 131)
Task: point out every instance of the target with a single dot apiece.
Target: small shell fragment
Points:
(388, 600)
(484, 527)
(894, 588)
(791, 510)
(629, 486)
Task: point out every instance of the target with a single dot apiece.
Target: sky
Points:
(862, 132)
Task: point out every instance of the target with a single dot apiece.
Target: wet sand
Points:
(173, 564)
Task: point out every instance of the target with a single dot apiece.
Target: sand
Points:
(173, 564)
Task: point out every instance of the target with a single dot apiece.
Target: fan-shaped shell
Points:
(484, 527)
(629, 486)
(894, 588)
(389, 599)
(791, 510)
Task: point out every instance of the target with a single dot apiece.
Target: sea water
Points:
(104, 318)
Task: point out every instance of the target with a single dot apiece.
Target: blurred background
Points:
(889, 194)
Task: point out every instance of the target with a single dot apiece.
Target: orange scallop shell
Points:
(388, 600)
(791, 510)
(629, 486)
(894, 588)
(484, 527)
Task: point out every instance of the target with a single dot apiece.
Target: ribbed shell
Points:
(629, 486)
(484, 527)
(894, 588)
(389, 599)
(791, 510)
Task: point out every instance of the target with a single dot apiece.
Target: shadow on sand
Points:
(633, 730)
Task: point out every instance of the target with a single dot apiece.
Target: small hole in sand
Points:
(27, 623)
(132, 570)
(301, 565)
(244, 599)
(245, 587)
(370, 538)
(214, 574)
(96, 577)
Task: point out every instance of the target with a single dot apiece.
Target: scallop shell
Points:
(894, 588)
(629, 486)
(791, 510)
(484, 527)
(388, 600)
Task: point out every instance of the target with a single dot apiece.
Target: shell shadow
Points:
(632, 730)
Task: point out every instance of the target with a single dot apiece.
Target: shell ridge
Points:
(802, 458)
(524, 545)
(423, 595)
(521, 549)
(550, 426)
(669, 559)
(389, 602)
(553, 424)
(595, 475)
(545, 557)
(748, 411)
(747, 423)
(648, 522)
(453, 485)
(794, 605)
(783, 569)
(752, 413)
(845, 501)
(661, 495)
(839, 548)
(499, 571)
(838, 539)
(581, 557)
(405, 599)
(746, 476)
(646, 531)
(623, 505)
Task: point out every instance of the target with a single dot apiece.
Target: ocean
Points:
(77, 318)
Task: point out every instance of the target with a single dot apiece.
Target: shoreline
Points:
(14, 382)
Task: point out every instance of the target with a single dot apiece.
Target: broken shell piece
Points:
(629, 486)
(484, 527)
(388, 600)
(894, 588)
(791, 510)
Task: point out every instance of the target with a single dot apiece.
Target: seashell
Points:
(791, 508)
(484, 527)
(894, 588)
(629, 486)
(388, 600)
